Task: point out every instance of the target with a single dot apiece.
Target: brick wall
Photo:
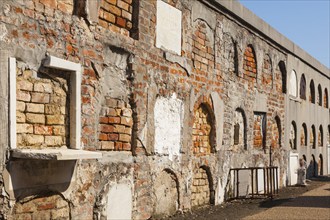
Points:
(115, 125)
(250, 64)
(203, 48)
(51, 207)
(302, 137)
(116, 15)
(201, 131)
(275, 134)
(42, 109)
(200, 190)
(258, 131)
(267, 80)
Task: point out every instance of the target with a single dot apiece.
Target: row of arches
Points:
(314, 168)
(315, 138)
(322, 96)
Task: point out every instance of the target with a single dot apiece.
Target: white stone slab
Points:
(168, 27)
(119, 202)
(294, 163)
(55, 154)
(168, 114)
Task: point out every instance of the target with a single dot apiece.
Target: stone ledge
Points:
(54, 154)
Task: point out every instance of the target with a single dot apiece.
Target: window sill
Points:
(54, 154)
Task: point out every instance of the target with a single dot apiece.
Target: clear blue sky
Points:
(305, 22)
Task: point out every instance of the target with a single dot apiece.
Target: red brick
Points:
(121, 21)
(114, 120)
(107, 128)
(113, 137)
(104, 120)
(103, 137)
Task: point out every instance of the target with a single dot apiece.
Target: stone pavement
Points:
(314, 204)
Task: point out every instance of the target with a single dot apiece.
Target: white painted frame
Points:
(75, 98)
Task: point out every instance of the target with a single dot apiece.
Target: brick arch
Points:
(242, 127)
(204, 127)
(282, 68)
(320, 136)
(202, 187)
(167, 193)
(303, 135)
(276, 132)
(326, 99)
(312, 92)
(50, 205)
(313, 137)
(293, 135)
(302, 86)
(267, 72)
(250, 68)
(319, 95)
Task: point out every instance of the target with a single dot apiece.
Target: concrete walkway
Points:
(314, 204)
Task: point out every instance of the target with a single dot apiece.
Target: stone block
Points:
(107, 145)
(23, 96)
(43, 87)
(35, 108)
(20, 106)
(53, 140)
(32, 139)
(24, 128)
(55, 119)
(40, 97)
(24, 85)
(35, 118)
(43, 130)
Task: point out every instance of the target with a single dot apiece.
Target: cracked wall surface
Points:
(169, 119)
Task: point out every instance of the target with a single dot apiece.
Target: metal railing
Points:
(269, 179)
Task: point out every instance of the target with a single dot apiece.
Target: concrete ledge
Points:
(54, 154)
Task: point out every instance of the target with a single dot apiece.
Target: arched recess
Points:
(47, 206)
(320, 165)
(328, 136)
(303, 135)
(313, 165)
(229, 53)
(303, 87)
(319, 95)
(313, 137)
(293, 84)
(239, 136)
(293, 135)
(267, 72)
(312, 92)
(202, 191)
(250, 64)
(204, 136)
(166, 188)
(276, 133)
(326, 100)
(304, 157)
(282, 68)
(320, 137)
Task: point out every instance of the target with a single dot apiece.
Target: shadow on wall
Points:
(312, 169)
(30, 177)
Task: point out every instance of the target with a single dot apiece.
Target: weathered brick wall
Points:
(49, 207)
(42, 109)
(115, 128)
(202, 131)
(116, 15)
(258, 131)
(200, 191)
(250, 64)
(118, 70)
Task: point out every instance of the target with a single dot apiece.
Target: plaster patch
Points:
(168, 28)
(168, 114)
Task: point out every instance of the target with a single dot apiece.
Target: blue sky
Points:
(305, 22)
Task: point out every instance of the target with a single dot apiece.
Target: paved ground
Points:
(311, 202)
(314, 204)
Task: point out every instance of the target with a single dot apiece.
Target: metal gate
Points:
(253, 182)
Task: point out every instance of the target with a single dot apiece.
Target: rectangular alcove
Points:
(45, 112)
